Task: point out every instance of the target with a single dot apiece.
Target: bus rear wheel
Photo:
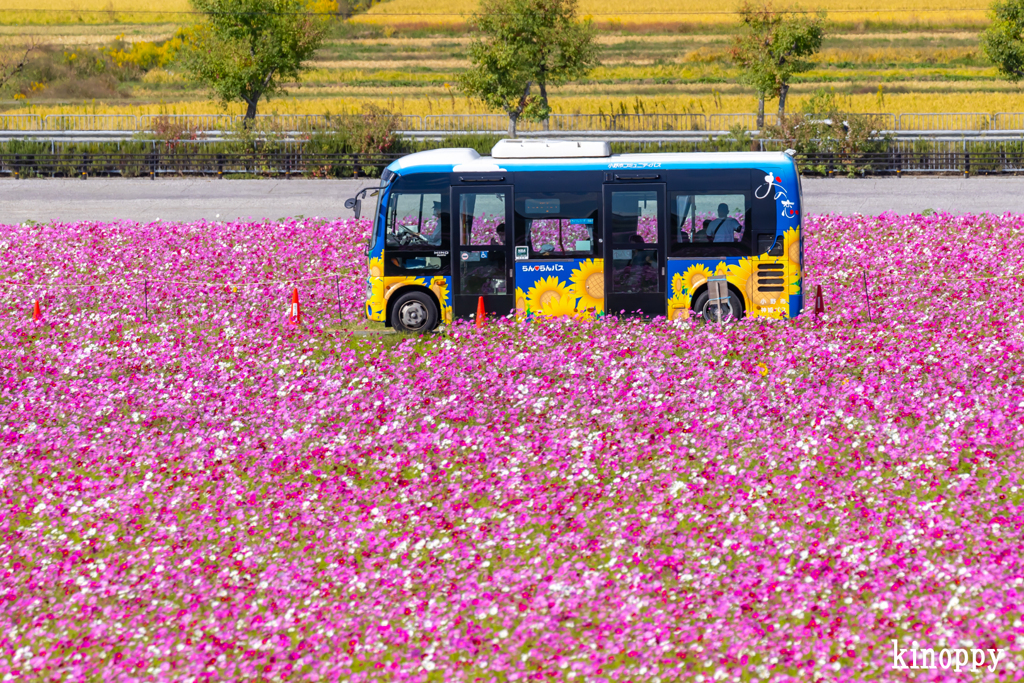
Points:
(708, 310)
(414, 312)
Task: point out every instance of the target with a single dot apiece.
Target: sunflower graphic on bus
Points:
(545, 296)
(567, 288)
(381, 289)
(588, 285)
(683, 285)
(439, 286)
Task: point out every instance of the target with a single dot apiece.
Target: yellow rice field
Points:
(612, 13)
(652, 13)
(915, 102)
(93, 11)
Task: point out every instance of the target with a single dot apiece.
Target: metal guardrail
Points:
(945, 121)
(183, 121)
(294, 161)
(191, 162)
(297, 137)
(896, 162)
(496, 122)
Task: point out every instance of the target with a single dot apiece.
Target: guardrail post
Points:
(967, 164)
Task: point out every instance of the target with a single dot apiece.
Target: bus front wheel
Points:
(708, 311)
(414, 312)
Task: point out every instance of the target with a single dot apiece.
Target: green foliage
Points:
(348, 8)
(244, 49)
(483, 143)
(1003, 40)
(822, 129)
(39, 158)
(773, 47)
(525, 43)
(738, 140)
(373, 132)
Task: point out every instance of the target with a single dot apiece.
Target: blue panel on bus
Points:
(562, 287)
(796, 304)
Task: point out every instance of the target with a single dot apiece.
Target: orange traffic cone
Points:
(480, 312)
(819, 305)
(37, 313)
(296, 316)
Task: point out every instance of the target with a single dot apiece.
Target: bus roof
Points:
(469, 161)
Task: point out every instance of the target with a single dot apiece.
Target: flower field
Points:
(193, 488)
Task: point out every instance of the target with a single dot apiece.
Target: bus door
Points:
(634, 247)
(482, 243)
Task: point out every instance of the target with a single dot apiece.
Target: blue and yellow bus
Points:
(548, 227)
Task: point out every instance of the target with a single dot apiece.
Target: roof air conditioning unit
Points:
(550, 149)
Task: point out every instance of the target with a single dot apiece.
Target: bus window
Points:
(482, 219)
(482, 272)
(709, 224)
(634, 217)
(557, 224)
(414, 220)
(403, 263)
(560, 236)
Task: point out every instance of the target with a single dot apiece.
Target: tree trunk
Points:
(544, 99)
(514, 112)
(760, 112)
(783, 91)
(250, 111)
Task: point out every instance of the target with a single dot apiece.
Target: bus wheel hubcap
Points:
(413, 314)
(711, 312)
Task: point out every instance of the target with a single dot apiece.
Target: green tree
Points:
(1003, 40)
(773, 48)
(244, 49)
(525, 43)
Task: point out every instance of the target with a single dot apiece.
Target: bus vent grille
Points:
(771, 277)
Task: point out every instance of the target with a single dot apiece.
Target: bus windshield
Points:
(374, 194)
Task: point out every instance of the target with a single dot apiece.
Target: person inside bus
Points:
(723, 228)
(433, 238)
(500, 239)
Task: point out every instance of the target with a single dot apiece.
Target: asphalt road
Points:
(105, 199)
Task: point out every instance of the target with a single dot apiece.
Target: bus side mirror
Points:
(354, 204)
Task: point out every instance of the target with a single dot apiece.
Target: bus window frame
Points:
(422, 184)
(533, 183)
(759, 216)
(383, 195)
